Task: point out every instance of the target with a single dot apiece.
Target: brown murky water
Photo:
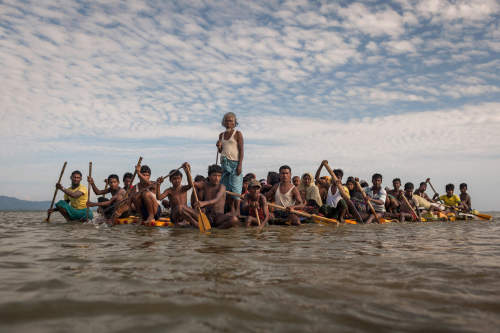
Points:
(62, 277)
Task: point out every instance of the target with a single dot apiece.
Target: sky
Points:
(405, 88)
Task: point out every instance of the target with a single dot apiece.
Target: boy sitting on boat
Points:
(212, 196)
(180, 213)
(465, 197)
(144, 196)
(117, 194)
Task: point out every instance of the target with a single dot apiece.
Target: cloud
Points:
(108, 75)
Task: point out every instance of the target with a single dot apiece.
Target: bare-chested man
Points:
(286, 195)
(392, 201)
(212, 196)
(180, 213)
(144, 196)
(115, 190)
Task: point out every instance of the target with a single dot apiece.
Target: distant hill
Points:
(10, 203)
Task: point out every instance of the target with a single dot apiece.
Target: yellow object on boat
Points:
(161, 222)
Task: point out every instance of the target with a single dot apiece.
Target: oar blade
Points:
(484, 216)
(203, 223)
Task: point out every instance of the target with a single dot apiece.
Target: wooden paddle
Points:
(293, 211)
(88, 190)
(314, 217)
(203, 222)
(172, 172)
(55, 193)
(124, 204)
(412, 211)
(344, 195)
(217, 157)
(428, 181)
(257, 216)
(481, 216)
(367, 200)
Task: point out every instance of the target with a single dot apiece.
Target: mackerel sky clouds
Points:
(405, 88)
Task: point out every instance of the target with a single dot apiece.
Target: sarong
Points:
(73, 213)
(230, 179)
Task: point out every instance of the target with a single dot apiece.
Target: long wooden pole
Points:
(129, 190)
(428, 181)
(124, 204)
(407, 203)
(367, 200)
(55, 192)
(344, 195)
(203, 222)
(293, 211)
(88, 190)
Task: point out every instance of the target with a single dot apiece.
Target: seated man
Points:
(180, 213)
(420, 191)
(116, 192)
(405, 213)
(392, 202)
(335, 206)
(377, 195)
(323, 183)
(286, 195)
(74, 205)
(451, 200)
(254, 202)
(465, 197)
(144, 196)
(212, 196)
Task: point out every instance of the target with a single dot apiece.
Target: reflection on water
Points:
(410, 277)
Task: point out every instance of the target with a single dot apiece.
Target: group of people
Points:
(229, 199)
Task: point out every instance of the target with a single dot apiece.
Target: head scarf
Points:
(311, 191)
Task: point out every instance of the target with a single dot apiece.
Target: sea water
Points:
(410, 277)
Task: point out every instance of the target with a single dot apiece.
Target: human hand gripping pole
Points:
(367, 200)
(55, 193)
(314, 217)
(203, 222)
(88, 190)
(412, 211)
(124, 204)
(344, 195)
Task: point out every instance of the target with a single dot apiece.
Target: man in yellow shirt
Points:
(74, 205)
(451, 199)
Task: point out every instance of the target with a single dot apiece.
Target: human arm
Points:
(187, 168)
(239, 141)
(299, 204)
(141, 176)
(265, 209)
(318, 172)
(220, 194)
(271, 193)
(71, 194)
(94, 187)
(219, 143)
(163, 195)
